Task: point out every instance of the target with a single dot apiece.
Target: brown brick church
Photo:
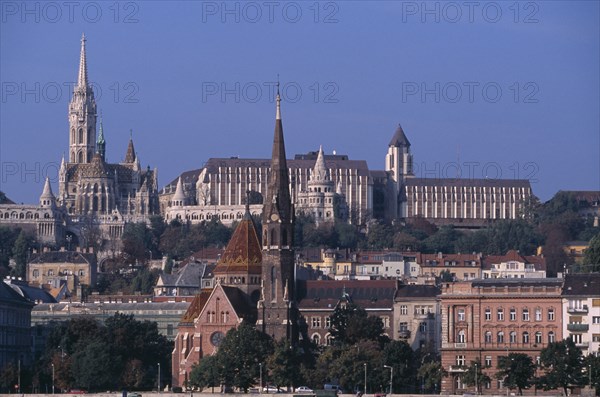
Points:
(254, 284)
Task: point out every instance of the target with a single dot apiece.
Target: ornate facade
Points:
(92, 194)
(217, 190)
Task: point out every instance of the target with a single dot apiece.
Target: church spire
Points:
(278, 201)
(130, 155)
(101, 143)
(82, 79)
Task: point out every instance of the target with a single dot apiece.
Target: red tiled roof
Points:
(243, 253)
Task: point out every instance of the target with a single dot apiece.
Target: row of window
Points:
(461, 360)
(418, 310)
(512, 314)
(211, 317)
(36, 272)
(512, 337)
(316, 322)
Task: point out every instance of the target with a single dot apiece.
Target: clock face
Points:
(274, 217)
(216, 338)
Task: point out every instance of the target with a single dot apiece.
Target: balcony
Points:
(582, 345)
(404, 334)
(460, 345)
(573, 310)
(457, 368)
(578, 327)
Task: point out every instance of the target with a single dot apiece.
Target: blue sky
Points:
(504, 89)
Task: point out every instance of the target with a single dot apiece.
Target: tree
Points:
(516, 370)
(592, 367)
(284, 365)
(591, 255)
(380, 236)
(443, 240)
(20, 253)
(431, 373)
(400, 356)
(206, 373)
(350, 324)
(239, 354)
(93, 367)
(562, 363)
(474, 375)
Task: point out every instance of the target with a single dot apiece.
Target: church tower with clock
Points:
(276, 307)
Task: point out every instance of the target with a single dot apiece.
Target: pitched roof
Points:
(8, 294)
(586, 285)
(196, 306)
(240, 303)
(399, 138)
(539, 262)
(243, 252)
(62, 257)
(416, 291)
(325, 294)
(130, 154)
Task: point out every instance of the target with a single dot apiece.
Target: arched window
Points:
(500, 337)
(273, 237)
(72, 135)
(80, 157)
(513, 337)
(538, 337)
(525, 337)
(80, 138)
(551, 337)
(460, 338)
(316, 338)
(284, 237)
(488, 337)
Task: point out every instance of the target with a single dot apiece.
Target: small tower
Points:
(320, 191)
(276, 309)
(178, 199)
(47, 199)
(398, 162)
(82, 115)
(101, 143)
(130, 154)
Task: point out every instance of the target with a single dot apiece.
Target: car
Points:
(134, 394)
(304, 389)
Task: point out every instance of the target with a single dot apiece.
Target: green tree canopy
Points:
(474, 375)
(517, 370)
(562, 363)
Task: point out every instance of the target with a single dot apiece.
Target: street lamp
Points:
(260, 377)
(365, 393)
(52, 378)
(158, 380)
(391, 376)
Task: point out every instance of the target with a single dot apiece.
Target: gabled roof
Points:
(240, 303)
(539, 262)
(196, 306)
(399, 139)
(243, 252)
(62, 257)
(367, 294)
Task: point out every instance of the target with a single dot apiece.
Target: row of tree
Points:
(561, 366)
(360, 351)
(83, 353)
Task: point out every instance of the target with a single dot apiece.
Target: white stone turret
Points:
(178, 199)
(47, 199)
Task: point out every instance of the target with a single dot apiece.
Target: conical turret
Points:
(47, 198)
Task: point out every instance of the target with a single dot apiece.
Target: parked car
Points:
(271, 389)
(134, 394)
(333, 387)
(304, 389)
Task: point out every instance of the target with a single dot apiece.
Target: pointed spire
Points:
(399, 139)
(100, 142)
(179, 196)
(47, 192)
(130, 155)
(320, 171)
(278, 200)
(278, 101)
(82, 78)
